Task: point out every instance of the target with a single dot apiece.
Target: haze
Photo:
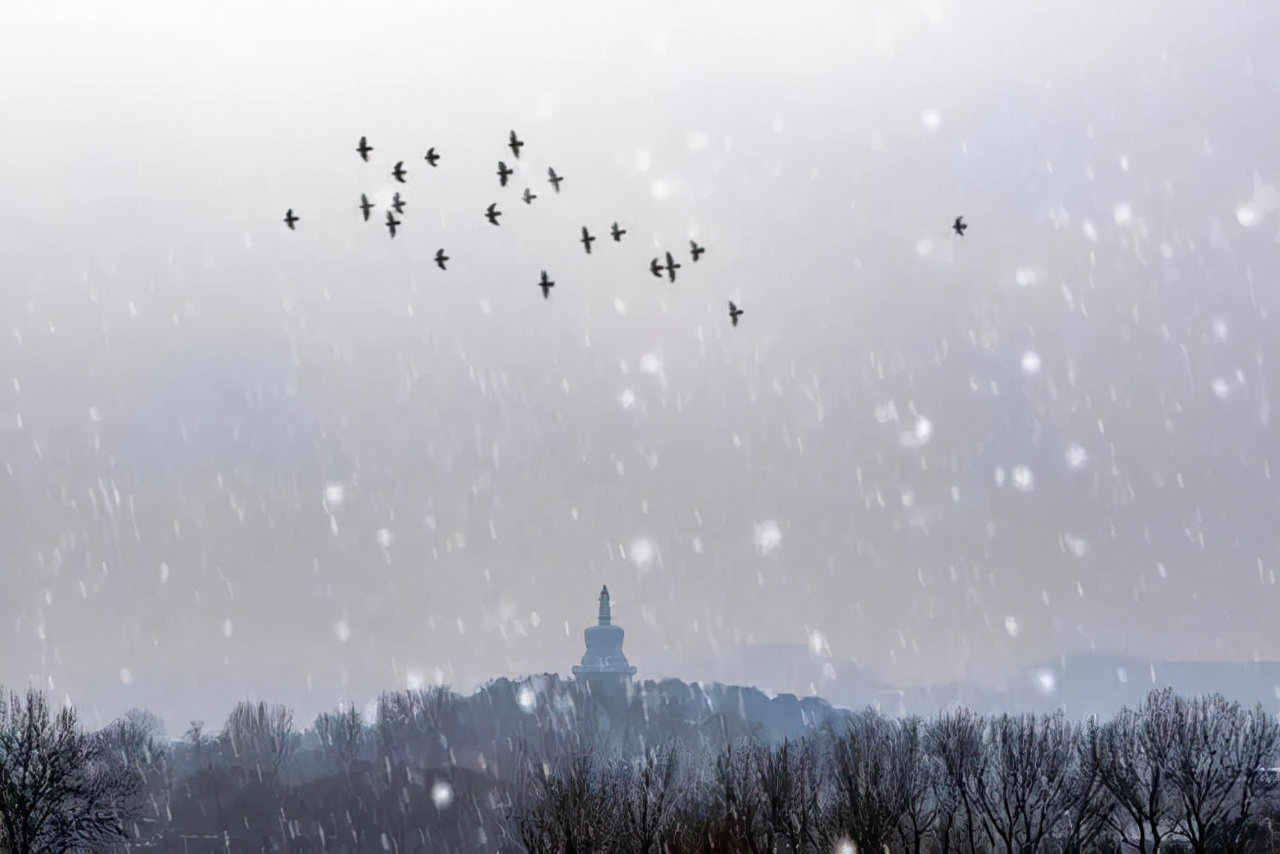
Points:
(240, 461)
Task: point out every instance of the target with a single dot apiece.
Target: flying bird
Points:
(366, 206)
(515, 144)
(492, 213)
(503, 172)
(528, 196)
(672, 266)
(617, 232)
(290, 219)
(398, 173)
(432, 157)
(398, 203)
(441, 258)
(586, 239)
(655, 267)
(555, 179)
(392, 222)
(363, 149)
(696, 250)
(546, 285)
(734, 312)
(959, 226)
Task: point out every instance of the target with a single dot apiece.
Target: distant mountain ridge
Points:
(1083, 683)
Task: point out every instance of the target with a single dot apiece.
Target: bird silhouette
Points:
(655, 267)
(290, 219)
(392, 222)
(398, 203)
(492, 213)
(441, 258)
(617, 233)
(528, 196)
(515, 144)
(555, 179)
(959, 226)
(432, 158)
(398, 173)
(672, 266)
(696, 250)
(586, 239)
(734, 313)
(546, 285)
(363, 149)
(503, 172)
(366, 206)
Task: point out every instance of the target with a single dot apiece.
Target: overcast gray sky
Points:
(239, 461)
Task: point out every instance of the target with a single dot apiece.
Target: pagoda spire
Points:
(603, 662)
(605, 612)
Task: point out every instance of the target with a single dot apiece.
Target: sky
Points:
(242, 462)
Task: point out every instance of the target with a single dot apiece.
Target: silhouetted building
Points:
(604, 667)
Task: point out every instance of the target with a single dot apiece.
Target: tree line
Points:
(558, 770)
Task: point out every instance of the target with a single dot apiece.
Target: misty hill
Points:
(1095, 683)
(1080, 683)
(537, 710)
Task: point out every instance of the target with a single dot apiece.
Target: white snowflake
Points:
(768, 537)
(642, 552)
(527, 699)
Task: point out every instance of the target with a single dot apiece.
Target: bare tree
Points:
(867, 782)
(733, 809)
(1024, 794)
(202, 747)
(260, 736)
(199, 742)
(562, 807)
(647, 791)
(789, 781)
(1132, 753)
(918, 770)
(1093, 807)
(413, 726)
(136, 741)
(342, 734)
(1257, 752)
(58, 788)
(956, 740)
(1215, 768)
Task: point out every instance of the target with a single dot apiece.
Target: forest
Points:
(544, 765)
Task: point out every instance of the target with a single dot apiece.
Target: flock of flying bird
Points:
(656, 267)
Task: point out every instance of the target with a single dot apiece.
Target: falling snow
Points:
(389, 476)
(441, 794)
(642, 552)
(768, 537)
